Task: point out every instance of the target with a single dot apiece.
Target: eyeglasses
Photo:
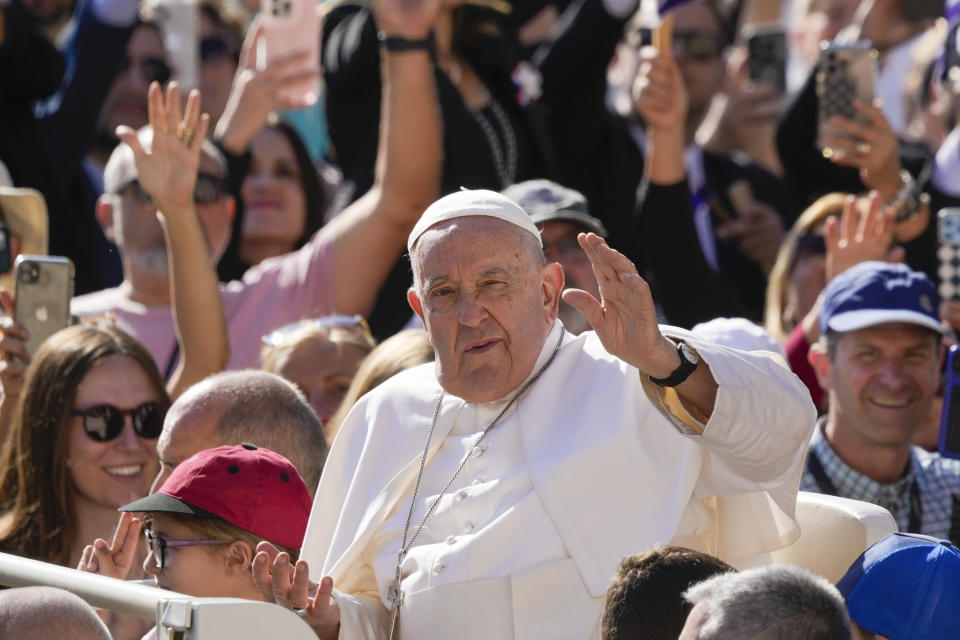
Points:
(562, 246)
(152, 69)
(159, 545)
(104, 422)
(358, 322)
(209, 189)
(215, 48)
(698, 45)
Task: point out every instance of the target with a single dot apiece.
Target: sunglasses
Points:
(152, 69)
(279, 336)
(159, 545)
(214, 49)
(209, 189)
(104, 422)
(698, 45)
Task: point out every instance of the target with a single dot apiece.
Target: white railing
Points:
(195, 618)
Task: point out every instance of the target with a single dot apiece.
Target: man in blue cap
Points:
(904, 587)
(878, 357)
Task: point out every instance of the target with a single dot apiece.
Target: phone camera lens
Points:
(30, 274)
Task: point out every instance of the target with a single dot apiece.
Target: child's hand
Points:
(116, 559)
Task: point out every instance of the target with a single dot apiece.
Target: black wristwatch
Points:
(398, 44)
(689, 359)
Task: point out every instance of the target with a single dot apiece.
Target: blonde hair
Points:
(401, 351)
(272, 354)
(814, 216)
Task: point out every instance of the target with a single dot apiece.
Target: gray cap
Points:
(545, 200)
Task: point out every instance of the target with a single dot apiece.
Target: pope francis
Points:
(492, 493)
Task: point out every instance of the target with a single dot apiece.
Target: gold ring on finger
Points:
(864, 148)
(186, 135)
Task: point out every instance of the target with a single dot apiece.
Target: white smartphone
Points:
(291, 27)
(44, 290)
(948, 253)
(179, 21)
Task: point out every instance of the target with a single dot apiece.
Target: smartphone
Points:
(179, 23)
(949, 442)
(921, 10)
(44, 290)
(767, 61)
(290, 27)
(846, 73)
(4, 248)
(948, 252)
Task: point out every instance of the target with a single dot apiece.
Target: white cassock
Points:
(593, 464)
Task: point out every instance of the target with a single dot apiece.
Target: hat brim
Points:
(162, 503)
(588, 222)
(863, 318)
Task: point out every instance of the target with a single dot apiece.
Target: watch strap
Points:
(399, 44)
(679, 374)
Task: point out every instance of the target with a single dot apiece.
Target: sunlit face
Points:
(882, 382)
(126, 103)
(560, 245)
(138, 233)
(119, 471)
(323, 369)
(195, 570)
(275, 208)
(487, 303)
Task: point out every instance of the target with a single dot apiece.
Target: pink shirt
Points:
(275, 292)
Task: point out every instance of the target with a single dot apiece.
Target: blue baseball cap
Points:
(905, 587)
(873, 293)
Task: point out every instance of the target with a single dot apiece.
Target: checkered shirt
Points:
(937, 478)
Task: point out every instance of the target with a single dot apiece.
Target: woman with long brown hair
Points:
(82, 442)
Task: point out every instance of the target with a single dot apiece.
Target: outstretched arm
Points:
(371, 233)
(168, 172)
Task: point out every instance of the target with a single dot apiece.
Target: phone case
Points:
(179, 21)
(847, 72)
(948, 253)
(44, 290)
(949, 442)
(767, 62)
(289, 27)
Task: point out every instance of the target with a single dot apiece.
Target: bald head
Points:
(243, 406)
(40, 613)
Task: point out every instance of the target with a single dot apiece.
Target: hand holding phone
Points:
(289, 28)
(847, 73)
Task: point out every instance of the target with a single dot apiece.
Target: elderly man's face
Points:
(881, 381)
(487, 302)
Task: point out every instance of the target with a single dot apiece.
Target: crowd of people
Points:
(537, 335)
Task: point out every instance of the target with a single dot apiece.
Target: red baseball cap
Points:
(253, 488)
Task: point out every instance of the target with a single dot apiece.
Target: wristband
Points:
(399, 44)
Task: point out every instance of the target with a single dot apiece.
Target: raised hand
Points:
(624, 318)
(869, 146)
(850, 241)
(289, 586)
(659, 95)
(255, 93)
(168, 170)
(114, 560)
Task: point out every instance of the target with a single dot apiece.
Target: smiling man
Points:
(879, 359)
(492, 494)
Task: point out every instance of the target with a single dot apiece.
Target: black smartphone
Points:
(920, 10)
(846, 73)
(949, 442)
(767, 61)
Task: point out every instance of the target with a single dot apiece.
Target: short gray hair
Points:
(266, 410)
(777, 602)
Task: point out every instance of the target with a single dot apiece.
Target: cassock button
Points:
(468, 527)
(440, 567)
(451, 540)
(462, 494)
(478, 480)
(476, 452)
